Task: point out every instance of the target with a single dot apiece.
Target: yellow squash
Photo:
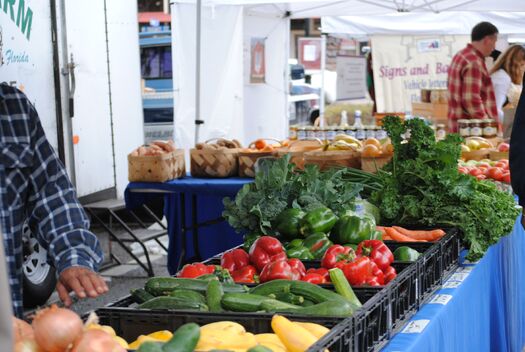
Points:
(294, 337)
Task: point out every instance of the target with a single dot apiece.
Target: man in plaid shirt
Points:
(471, 94)
(34, 186)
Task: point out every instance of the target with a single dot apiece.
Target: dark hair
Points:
(495, 54)
(482, 30)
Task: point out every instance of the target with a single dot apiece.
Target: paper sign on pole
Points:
(351, 77)
(403, 65)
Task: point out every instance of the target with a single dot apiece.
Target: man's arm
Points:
(60, 222)
(471, 92)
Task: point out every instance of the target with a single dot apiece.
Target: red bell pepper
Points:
(390, 274)
(314, 278)
(321, 271)
(245, 275)
(377, 251)
(194, 270)
(235, 259)
(297, 265)
(335, 254)
(359, 271)
(280, 269)
(264, 250)
(377, 274)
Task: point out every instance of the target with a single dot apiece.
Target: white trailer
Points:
(78, 62)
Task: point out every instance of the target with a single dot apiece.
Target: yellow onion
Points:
(21, 330)
(96, 340)
(56, 328)
(26, 345)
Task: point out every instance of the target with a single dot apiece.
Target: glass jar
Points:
(475, 128)
(330, 133)
(381, 133)
(370, 132)
(464, 128)
(301, 133)
(292, 135)
(490, 128)
(310, 133)
(441, 133)
(319, 133)
(350, 131)
(360, 133)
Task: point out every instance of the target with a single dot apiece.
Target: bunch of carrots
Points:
(400, 234)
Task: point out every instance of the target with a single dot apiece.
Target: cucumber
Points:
(150, 346)
(259, 348)
(325, 309)
(342, 286)
(288, 297)
(273, 305)
(189, 295)
(307, 303)
(242, 302)
(272, 287)
(161, 286)
(167, 302)
(139, 295)
(214, 295)
(206, 277)
(184, 339)
(315, 293)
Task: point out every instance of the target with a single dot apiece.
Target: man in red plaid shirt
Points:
(471, 94)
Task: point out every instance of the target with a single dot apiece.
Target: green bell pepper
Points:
(288, 223)
(354, 229)
(318, 220)
(317, 243)
(406, 254)
(351, 245)
(248, 240)
(294, 243)
(302, 253)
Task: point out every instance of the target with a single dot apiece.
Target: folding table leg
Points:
(195, 227)
(182, 231)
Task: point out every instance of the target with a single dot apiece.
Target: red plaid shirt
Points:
(471, 94)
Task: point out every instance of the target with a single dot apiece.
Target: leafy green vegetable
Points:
(257, 204)
(421, 185)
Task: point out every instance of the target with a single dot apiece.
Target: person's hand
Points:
(81, 280)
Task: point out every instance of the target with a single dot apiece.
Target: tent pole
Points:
(198, 120)
(323, 67)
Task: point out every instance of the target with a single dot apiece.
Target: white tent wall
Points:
(221, 87)
(125, 85)
(265, 105)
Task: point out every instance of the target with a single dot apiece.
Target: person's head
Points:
(513, 62)
(484, 36)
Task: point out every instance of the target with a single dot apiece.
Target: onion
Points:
(97, 341)
(56, 328)
(26, 345)
(21, 330)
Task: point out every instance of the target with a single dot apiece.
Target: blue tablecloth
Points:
(210, 192)
(485, 312)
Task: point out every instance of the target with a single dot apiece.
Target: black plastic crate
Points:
(372, 324)
(450, 251)
(404, 295)
(430, 270)
(339, 339)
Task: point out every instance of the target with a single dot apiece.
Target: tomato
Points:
(481, 177)
(476, 172)
(495, 173)
(502, 165)
(506, 177)
(463, 170)
(483, 164)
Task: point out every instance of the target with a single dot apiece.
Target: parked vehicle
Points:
(303, 99)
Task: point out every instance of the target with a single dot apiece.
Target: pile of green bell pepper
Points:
(312, 247)
(354, 229)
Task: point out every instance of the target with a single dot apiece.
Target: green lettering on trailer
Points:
(24, 19)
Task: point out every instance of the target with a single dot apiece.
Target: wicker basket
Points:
(496, 155)
(476, 154)
(372, 165)
(247, 159)
(214, 163)
(156, 168)
(334, 158)
(297, 149)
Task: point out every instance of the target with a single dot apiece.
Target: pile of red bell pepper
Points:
(369, 265)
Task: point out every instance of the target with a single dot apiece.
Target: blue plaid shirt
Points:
(34, 187)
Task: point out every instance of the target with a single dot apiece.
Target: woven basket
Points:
(297, 149)
(156, 168)
(247, 159)
(475, 154)
(495, 155)
(334, 158)
(372, 165)
(214, 163)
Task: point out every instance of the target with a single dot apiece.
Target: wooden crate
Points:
(432, 110)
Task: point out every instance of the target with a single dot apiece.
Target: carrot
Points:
(387, 238)
(381, 229)
(431, 235)
(399, 237)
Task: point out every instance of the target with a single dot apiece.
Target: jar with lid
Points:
(370, 132)
(381, 133)
(292, 135)
(301, 133)
(440, 131)
(490, 128)
(320, 133)
(351, 131)
(360, 133)
(464, 128)
(329, 133)
(475, 128)
(339, 130)
(310, 132)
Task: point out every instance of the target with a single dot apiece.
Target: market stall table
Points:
(193, 201)
(480, 308)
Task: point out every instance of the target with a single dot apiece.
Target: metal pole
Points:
(323, 66)
(198, 120)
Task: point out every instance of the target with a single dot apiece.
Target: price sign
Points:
(459, 277)
(440, 299)
(452, 284)
(415, 326)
